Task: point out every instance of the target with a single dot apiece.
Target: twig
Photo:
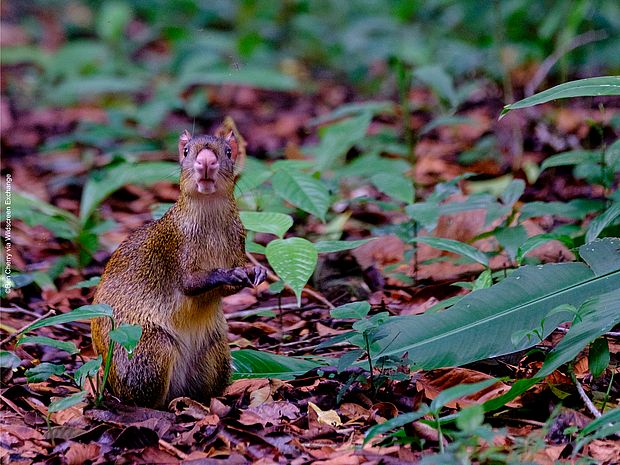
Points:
(305, 290)
(586, 400)
(609, 334)
(167, 447)
(256, 311)
(19, 331)
(547, 64)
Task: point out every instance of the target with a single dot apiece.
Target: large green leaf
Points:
(491, 316)
(43, 371)
(602, 221)
(267, 222)
(591, 87)
(260, 78)
(596, 317)
(456, 247)
(338, 138)
(339, 246)
(127, 336)
(110, 179)
(303, 191)
(34, 212)
(85, 312)
(574, 157)
(255, 364)
(67, 346)
(294, 260)
(396, 186)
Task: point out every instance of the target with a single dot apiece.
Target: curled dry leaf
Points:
(327, 417)
(435, 381)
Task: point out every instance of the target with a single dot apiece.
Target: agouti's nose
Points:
(206, 164)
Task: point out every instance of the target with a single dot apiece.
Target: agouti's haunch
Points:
(170, 276)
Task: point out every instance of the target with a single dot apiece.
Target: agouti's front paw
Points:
(247, 276)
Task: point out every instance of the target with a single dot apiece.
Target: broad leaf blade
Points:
(596, 317)
(492, 315)
(339, 246)
(111, 179)
(67, 346)
(127, 336)
(255, 364)
(303, 191)
(456, 247)
(591, 87)
(397, 187)
(267, 222)
(86, 312)
(294, 260)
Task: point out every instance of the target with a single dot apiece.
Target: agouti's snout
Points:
(206, 167)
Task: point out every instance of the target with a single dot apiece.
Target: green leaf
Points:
(393, 423)
(598, 357)
(597, 316)
(67, 346)
(470, 418)
(533, 242)
(338, 138)
(355, 310)
(293, 260)
(112, 20)
(351, 109)
(257, 77)
(438, 80)
(602, 221)
(9, 360)
(267, 222)
(67, 402)
(255, 364)
(110, 179)
(605, 85)
(34, 212)
(397, 187)
(90, 282)
(86, 312)
(127, 336)
(456, 247)
(603, 255)
(303, 191)
(347, 359)
(492, 315)
(88, 87)
(43, 371)
(574, 157)
(602, 427)
(339, 246)
(88, 369)
(576, 209)
(456, 392)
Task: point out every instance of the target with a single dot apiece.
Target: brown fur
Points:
(184, 349)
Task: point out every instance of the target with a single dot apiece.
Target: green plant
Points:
(125, 335)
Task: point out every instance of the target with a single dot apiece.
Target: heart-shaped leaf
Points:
(294, 260)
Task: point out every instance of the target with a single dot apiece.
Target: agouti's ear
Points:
(234, 145)
(184, 138)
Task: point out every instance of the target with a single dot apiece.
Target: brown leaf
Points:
(78, 453)
(435, 381)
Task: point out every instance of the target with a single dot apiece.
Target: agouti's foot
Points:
(247, 276)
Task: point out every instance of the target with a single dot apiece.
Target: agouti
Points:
(170, 276)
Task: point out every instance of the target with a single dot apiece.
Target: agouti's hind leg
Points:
(214, 371)
(144, 379)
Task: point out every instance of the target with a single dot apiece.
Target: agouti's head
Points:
(207, 163)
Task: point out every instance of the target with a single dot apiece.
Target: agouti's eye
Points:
(185, 151)
(228, 152)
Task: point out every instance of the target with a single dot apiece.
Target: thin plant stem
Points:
(372, 379)
(106, 369)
